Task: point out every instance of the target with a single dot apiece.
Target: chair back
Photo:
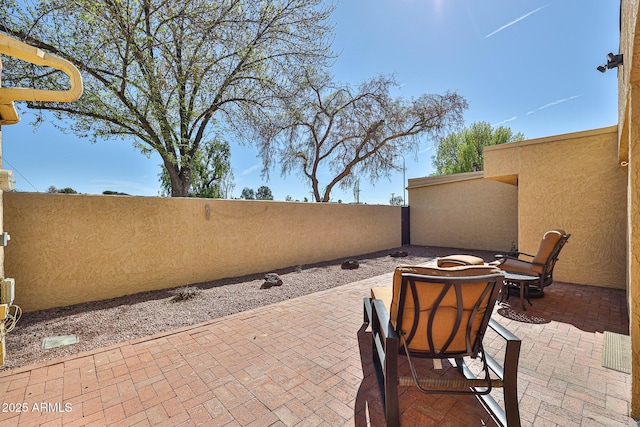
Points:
(546, 250)
(547, 273)
(444, 312)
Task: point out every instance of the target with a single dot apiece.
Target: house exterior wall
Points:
(629, 153)
(633, 244)
(463, 211)
(68, 249)
(573, 182)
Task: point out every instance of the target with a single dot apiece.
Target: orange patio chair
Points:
(441, 313)
(541, 264)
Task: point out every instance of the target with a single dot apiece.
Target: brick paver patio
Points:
(299, 363)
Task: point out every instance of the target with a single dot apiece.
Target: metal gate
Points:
(406, 229)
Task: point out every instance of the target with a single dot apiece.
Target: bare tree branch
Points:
(354, 132)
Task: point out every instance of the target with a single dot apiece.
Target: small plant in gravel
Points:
(184, 294)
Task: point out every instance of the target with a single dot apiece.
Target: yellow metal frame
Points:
(25, 52)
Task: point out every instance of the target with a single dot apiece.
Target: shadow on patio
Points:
(305, 362)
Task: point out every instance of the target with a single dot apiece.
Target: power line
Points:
(4, 159)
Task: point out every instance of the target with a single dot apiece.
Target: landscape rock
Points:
(399, 254)
(271, 279)
(351, 264)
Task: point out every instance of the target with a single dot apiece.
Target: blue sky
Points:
(528, 65)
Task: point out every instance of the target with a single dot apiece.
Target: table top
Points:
(519, 276)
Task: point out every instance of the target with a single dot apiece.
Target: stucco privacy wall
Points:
(67, 249)
(573, 182)
(463, 211)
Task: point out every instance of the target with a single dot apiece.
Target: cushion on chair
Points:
(446, 313)
(549, 241)
(458, 260)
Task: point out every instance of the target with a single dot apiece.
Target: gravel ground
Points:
(103, 323)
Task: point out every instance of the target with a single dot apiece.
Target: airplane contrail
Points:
(559, 101)
(515, 21)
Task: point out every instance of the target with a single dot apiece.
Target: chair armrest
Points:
(525, 254)
(512, 352)
(385, 343)
(367, 311)
(383, 319)
(503, 332)
(502, 256)
(509, 375)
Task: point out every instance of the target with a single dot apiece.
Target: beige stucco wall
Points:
(573, 182)
(67, 249)
(629, 151)
(633, 245)
(463, 211)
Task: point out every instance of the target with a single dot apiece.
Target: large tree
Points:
(168, 73)
(352, 132)
(462, 151)
(211, 172)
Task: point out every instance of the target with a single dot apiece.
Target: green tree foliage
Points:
(348, 132)
(114, 193)
(264, 193)
(66, 190)
(211, 172)
(463, 151)
(169, 74)
(248, 194)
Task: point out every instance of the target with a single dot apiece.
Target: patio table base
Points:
(520, 282)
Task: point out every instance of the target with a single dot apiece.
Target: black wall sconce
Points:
(613, 61)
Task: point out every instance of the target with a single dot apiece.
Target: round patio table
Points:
(521, 281)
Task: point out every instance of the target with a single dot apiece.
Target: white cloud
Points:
(515, 21)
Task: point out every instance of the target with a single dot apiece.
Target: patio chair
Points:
(540, 265)
(441, 313)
